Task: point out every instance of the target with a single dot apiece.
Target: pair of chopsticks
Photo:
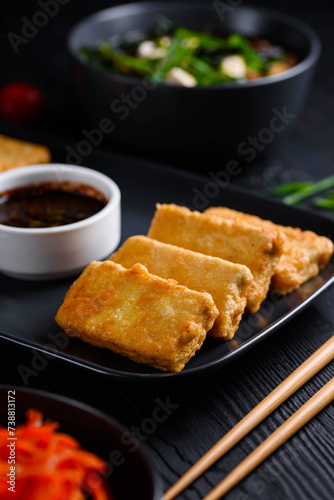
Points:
(288, 387)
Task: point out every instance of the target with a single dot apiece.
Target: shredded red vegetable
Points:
(50, 465)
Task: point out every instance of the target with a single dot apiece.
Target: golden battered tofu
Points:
(15, 153)
(304, 252)
(131, 312)
(257, 248)
(226, 282)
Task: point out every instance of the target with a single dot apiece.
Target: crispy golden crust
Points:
(257, 248)
(304, 252)
(226, 282)
(15, 153)
(131, 312)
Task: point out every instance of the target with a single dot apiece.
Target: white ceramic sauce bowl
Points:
(56, 252)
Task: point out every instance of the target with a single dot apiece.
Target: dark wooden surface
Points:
(303, 469)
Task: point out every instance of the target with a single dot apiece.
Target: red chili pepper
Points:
(21, 103)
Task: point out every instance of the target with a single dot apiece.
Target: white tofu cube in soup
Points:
(234, 66)
(178, 76)
(150, 50)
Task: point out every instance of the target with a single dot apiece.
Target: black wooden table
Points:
(204, 410)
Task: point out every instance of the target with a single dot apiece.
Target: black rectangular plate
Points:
(28, 308)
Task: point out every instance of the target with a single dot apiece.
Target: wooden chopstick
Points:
(289, 386)
(313, 406)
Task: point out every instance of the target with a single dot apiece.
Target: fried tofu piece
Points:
(236, 241)
(304, 252)
(143, 317)
(15, 153)
(226, 282)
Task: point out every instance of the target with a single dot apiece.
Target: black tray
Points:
(28, 309)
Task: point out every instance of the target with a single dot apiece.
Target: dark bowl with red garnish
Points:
(193, 125)
(128, 473)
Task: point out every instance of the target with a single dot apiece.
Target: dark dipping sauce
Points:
(49, 204)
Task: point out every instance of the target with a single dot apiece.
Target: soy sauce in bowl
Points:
(49, 204)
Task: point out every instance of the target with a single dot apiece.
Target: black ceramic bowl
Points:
(130, 473)
(200, 122)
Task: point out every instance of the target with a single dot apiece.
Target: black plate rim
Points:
(191, 372)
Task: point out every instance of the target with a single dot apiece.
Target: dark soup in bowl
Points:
(189, 58)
